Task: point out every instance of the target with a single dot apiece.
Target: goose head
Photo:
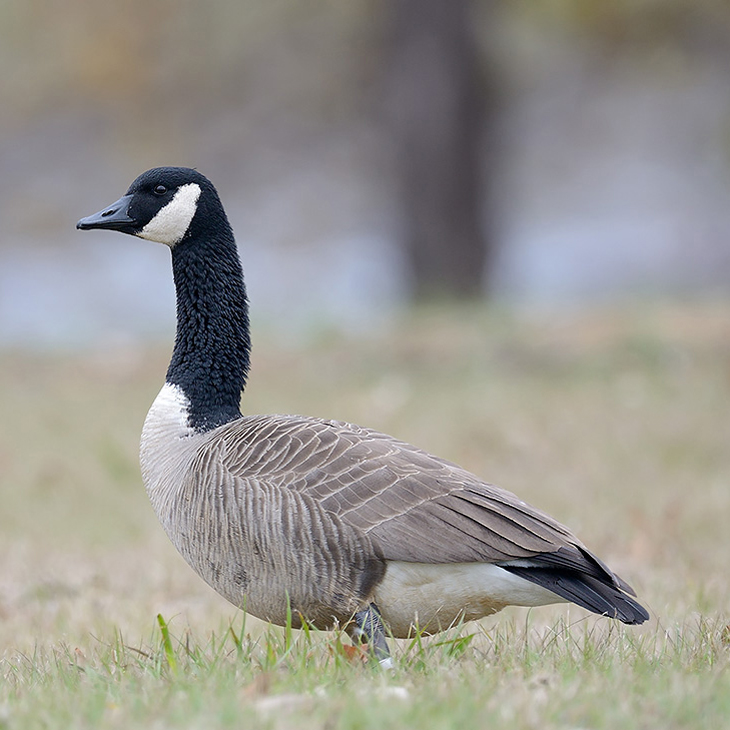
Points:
(180, 207)
(164, 204)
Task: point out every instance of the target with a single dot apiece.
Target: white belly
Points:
(434, 597)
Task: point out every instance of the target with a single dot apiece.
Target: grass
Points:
(614, 421)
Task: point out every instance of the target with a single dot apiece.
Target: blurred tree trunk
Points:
(436, 114)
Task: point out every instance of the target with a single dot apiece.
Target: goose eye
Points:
(160, 190)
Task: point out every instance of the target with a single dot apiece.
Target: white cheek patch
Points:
(171, 222)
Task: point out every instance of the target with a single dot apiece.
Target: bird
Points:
(312, 521)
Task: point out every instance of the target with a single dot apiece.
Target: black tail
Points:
(574, 573)
(585, 590)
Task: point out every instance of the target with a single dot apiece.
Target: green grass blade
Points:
(167, 644)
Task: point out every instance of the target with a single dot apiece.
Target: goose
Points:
(300, 519)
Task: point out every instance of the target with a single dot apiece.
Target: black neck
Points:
(210, 360)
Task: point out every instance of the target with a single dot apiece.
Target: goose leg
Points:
(369, 630)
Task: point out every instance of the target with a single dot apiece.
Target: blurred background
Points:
(547, 182)
(537, 152)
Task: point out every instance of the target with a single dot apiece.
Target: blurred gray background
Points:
(558, 153)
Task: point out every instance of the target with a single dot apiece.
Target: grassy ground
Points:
(616, 422)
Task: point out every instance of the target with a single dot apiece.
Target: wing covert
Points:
(414, 506)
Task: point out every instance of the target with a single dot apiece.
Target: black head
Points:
(163, 204)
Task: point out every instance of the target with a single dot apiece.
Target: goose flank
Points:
(345, 525)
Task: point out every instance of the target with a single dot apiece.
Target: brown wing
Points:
(415, 506)
(419, 508)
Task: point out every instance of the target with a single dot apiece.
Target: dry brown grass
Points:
(616, 422)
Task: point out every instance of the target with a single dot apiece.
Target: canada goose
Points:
(322, 520)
